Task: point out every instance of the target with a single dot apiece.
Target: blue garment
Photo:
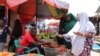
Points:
(3, 36)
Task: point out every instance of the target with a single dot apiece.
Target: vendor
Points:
(30, 39)
(66, 24)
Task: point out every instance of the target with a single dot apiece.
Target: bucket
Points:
(50, 51)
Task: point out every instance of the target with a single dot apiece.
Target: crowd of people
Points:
(76, 33)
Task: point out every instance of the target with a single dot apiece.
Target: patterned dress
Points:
(87, 47)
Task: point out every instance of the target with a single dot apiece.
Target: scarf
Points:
(69, 24)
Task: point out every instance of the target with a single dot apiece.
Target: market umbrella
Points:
(13, 4)
(26, 9)
(0, 2)
(42, 10)
(54, 10)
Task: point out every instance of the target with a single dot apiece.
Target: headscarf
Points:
(83, 17)
(85, 24)
(69, 24)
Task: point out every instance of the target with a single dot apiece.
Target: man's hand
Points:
(6, 45)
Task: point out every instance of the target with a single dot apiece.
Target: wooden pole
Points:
(98, 24)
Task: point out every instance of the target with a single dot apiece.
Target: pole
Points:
(98, 24)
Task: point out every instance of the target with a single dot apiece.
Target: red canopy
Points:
(26, 9)
(0, 1)
(13, 3)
